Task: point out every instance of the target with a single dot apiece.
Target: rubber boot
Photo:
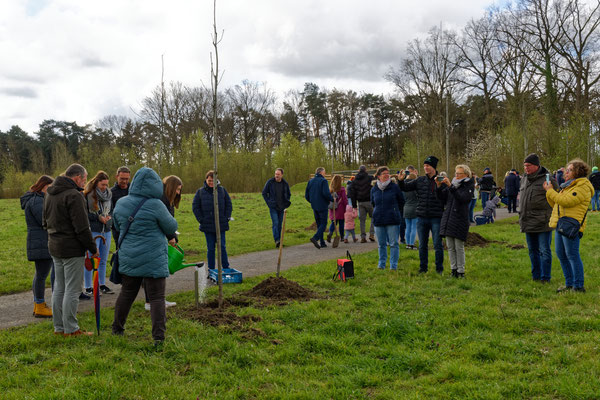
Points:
(42, 311)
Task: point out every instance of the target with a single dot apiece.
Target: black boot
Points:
(455, 273)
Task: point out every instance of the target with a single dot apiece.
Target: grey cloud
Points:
(94, 62)
(24, 77)
(26, 92)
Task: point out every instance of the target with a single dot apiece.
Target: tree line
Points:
(521, 78)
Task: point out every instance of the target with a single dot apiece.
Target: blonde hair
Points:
(465, 168)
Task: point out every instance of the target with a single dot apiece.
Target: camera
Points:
(439, 178)
(407, 172)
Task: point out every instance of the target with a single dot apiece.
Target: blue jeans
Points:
(211, 243)
(540, 254)
(471, 208)
(411, 230)
(424, 226)
(42, 269)
(103, 252)
(596, 201)
(387, 235)
(340, 223)
(321, 221)
(484, 198)
(567, 251)
(277, 220)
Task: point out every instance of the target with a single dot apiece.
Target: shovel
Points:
(336, 239)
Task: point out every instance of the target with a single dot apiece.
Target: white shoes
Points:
(167, 305)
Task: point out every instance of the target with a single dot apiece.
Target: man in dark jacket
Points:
(560, 176)
(486, 185)
(121, 189)
(595, 181)
(277, 196)
(318, 195)
(534, 216)
(65, 218)
(511, 187)
(429, 212)
(360, 193)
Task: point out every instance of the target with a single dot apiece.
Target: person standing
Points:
(595, 181)
(336, 214)
(429, 213)
(573, 202)
(277, 195)
(143, 252)
(121, 189)
(456, 196)
(360, 194)
(32, 203)
(318, 195)
(411, 201)
(474, 199)
(511, 187)
(387, 201)
(487, 185)
(99, 207)
(349, 217)
(534, 216)
(204, 211)
(69, 236)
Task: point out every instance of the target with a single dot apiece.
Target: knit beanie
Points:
(532, 159)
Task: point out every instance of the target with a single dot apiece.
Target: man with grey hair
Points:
(66, 220)
(318, 195)
(360, 193)
(277, 195)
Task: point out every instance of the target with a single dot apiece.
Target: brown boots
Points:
(42, 311)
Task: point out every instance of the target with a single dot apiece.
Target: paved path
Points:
(16, 309)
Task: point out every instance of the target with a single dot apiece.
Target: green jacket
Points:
(534, 210)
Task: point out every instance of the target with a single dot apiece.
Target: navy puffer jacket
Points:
(143, 252)
(429, 205)
(204, 210)
(455, 221)
(37, 237)
(387, 205)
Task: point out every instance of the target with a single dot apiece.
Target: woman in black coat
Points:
(454, 225)
(32, 203)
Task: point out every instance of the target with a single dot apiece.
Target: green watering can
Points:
(177, 261)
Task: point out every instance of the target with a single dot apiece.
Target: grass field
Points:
(494, 335)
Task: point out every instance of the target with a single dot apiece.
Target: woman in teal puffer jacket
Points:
(143, 253)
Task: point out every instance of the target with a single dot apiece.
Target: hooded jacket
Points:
(573, 201)
(65, 218)
(360, 190)
(455, 221)
(429, 206)
(143, 252)
(595, 180)
(37, 238)
(204, 209)
(534, 210)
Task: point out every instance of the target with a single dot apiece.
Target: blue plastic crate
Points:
(230, 275)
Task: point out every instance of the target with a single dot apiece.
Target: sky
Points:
(80, 60)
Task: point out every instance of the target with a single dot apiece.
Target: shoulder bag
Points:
(569, 227)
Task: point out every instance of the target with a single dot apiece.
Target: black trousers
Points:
(155, 288)
(512, 203)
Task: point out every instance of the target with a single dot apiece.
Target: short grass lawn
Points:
(384, 335)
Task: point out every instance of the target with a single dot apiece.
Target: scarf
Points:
(104, 202)
(566, 184)
(383, 185)
(456, 182)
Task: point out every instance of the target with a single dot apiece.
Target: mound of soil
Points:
(313, 227)
(516, 246)
(209, 315)
(280, 289)
(475, 239)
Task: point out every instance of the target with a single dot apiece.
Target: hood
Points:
(361, 176)
(146, 183)
(62, 183)
(28, 196)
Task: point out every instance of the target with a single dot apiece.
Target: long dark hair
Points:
(171, 183)
(91, 186)
(41, 183)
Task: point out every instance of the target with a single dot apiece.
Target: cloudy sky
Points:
(79, 60)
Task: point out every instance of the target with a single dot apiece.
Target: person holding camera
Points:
(429, 212)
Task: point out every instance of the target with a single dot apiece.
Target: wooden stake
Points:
(281, 241)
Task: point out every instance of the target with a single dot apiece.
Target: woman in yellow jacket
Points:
(572, 201)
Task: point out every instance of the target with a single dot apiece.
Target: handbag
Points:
(569, 227)
(115, 275)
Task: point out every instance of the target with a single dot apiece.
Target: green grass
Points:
(251, 220)
(494, 335)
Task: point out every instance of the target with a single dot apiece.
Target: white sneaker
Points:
(147, 306)
(170, 304)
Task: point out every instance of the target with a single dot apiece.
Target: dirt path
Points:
(16, 309)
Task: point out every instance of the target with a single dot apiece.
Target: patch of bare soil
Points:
(280, 289)
(312, 227)
(213, 316)
(475, 239)
(516, 246)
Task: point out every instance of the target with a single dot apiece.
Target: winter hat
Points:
(595, 169)
(487, 169)
(532, 159)
(362, 168)
(431, 160)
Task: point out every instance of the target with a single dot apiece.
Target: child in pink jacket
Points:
(349, 216)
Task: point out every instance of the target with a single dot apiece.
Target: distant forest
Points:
(522, 78)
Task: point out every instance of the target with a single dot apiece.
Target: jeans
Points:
(350, 232)
(155, 288)
(485, 196)
(512, 203)
(277, 220)
(540, 254)
(402, 228)
(365, 208)
(103, 252)
(42, 269)
(211, 243)
(67, 288)
(411, 230)
(596, 201)
(424, 226)
(567, 251)
(456, 254)
(387, 235)
(340, 224)
(471, 208)
(321, 221)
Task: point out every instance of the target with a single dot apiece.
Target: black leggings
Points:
(42, 268)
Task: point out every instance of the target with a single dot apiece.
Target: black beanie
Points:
(532, 159)
(431, 160)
